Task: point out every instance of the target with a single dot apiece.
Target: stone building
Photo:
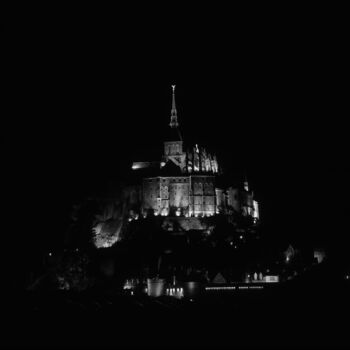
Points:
(183, 182)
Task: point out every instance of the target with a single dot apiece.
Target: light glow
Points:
(221, 288)
(175, 292)
(271, 279)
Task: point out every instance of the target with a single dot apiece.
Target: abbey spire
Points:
(173, 118)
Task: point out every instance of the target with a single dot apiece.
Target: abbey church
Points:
(184, 181)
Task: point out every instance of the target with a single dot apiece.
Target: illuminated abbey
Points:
(183, 182)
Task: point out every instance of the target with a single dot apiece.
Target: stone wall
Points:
(151, 193)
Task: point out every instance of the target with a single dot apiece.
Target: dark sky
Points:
(89, 96)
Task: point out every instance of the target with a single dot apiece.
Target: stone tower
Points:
(173, 145)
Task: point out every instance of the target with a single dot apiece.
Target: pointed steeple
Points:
(173, 118)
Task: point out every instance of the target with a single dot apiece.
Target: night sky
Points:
(88, 97)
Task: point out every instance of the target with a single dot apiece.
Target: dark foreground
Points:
(288, 316)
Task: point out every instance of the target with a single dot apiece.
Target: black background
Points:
(89, 94)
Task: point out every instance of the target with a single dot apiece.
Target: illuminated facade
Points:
(184, 183)
(180, 195)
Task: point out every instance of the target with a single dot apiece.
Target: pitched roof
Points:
(219, 278)
(170, 169)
